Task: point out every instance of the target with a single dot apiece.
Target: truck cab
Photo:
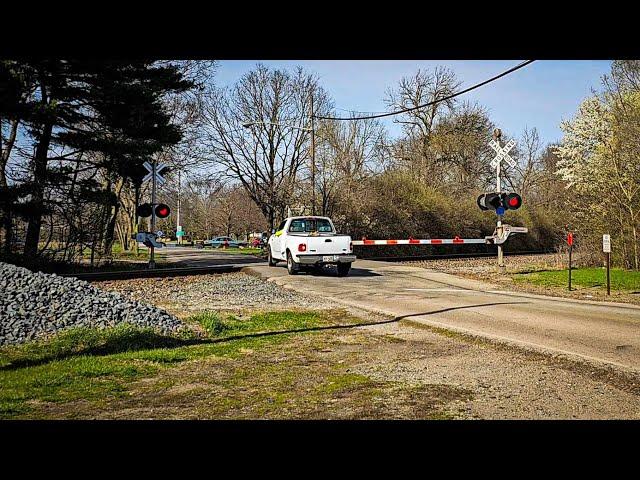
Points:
(310, 241)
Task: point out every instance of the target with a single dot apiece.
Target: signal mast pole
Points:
(497, 134)
(152, 262)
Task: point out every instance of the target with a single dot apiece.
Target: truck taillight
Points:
(302, 247)
(351, 246)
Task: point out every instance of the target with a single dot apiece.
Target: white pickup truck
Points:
(310, 241)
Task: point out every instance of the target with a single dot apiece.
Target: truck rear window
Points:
(307, 225)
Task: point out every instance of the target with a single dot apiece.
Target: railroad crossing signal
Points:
(502, 153)
(159, 178)
(500, 202)
(146, 210)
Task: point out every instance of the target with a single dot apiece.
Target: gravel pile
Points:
(215, 291)
(39, 304)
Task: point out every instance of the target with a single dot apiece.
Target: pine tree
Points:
(109, 111)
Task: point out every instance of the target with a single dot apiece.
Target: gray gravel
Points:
(216, 291)
(39, 304)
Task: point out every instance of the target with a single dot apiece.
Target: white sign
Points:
(502, 153)
(606, 243)
(159, 178)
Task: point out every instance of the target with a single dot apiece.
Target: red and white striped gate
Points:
(496, 239)
(427, 241)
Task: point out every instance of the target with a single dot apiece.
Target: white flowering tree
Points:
(598, 160)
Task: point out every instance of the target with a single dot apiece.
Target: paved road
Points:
(601, 332)
(205, 257)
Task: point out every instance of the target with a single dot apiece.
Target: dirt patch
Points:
(392, 371)
(502, 382)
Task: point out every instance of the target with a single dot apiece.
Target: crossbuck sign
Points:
(502, 153)
(159, 178)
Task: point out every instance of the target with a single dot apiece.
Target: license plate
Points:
(330, 258)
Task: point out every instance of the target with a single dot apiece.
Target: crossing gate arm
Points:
(429, 241)
(495, 239)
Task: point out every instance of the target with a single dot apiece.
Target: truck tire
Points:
(343, 269)
(292, 266)
(272, 262)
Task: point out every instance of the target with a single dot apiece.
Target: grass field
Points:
(91, 365)
(621, 280)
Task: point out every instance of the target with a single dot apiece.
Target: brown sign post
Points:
(570, 243)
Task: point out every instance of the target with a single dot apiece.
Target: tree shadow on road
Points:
(128, 341)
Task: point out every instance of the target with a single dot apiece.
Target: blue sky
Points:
(539, 95)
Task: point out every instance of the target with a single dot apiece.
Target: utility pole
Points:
(152, 262)
(178, 219)
(313, 161)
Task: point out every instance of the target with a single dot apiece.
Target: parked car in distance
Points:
(261, 241)
(224, 242)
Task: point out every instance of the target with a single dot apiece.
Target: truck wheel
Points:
(292, 267)
(272, 262)
(343, 269)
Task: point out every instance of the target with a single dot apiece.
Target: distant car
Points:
(226, 242)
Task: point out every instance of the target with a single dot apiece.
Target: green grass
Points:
(95, 365)
(258, 322)
(622, 280)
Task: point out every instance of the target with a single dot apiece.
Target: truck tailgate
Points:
(325, 245)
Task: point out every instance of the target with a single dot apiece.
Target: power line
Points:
(473, 87)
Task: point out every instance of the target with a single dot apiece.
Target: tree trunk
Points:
(39, 179)
(112, 217)
(5, 152)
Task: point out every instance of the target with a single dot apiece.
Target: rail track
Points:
(155, 273)
(448, 256)
(231, 267)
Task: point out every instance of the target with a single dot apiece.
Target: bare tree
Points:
(423, 87)
(347, 153)
(268, 156)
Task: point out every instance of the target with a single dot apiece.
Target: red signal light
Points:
(162, 210)
(514, 201)
(302, 247)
